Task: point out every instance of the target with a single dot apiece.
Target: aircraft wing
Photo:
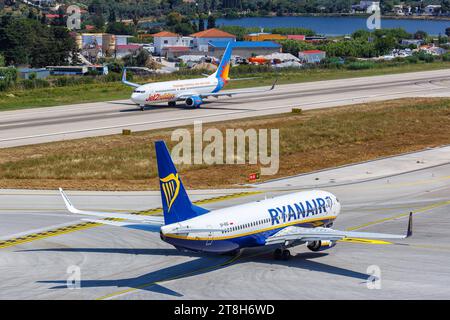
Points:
(300, 235)
(232, 93)
(141, 219)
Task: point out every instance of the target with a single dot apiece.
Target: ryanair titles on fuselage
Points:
(299, 210)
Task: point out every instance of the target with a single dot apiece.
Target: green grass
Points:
(319, 138)
(54, 96)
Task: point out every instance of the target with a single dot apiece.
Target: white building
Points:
(203, 38)
(367, 6)
(166, 39)
(432, 9)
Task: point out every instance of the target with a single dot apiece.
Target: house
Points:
(298, 37)
(202, 39)
(398, 10)
(97, 45)
(312, 56)
(262, 36)
(123, 50)
(415, 42)
(67, 70)
(39, 73)
(244, 49)
(367, 6)
(173, 52)
(165, 39)
(432, 9)
(52, 16)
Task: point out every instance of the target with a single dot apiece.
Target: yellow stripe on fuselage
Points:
(278, 226)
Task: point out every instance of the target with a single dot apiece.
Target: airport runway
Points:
(40, 125)
(118, 263)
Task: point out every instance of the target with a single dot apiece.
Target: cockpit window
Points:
(139, 91)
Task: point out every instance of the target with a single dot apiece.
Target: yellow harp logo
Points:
(170, 185)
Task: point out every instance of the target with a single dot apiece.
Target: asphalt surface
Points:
(118, 263)
(40, 125)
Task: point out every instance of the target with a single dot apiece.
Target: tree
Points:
(142, 57)
(201, 24)
(211, 22)
(420, 35)
(27, 41)
(384, 44)
(2, 61)
(112, 16)
(99, 22)
(447, 31)
(119, 28)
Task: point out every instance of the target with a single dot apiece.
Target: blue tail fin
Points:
(175, 201)
(223, 69)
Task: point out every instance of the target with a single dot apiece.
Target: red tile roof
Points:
(312, 51)
(128, 47)
(296, 37)
(51, 16)
(213, 33)
(166, 34)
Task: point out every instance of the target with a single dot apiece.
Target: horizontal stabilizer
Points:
(128, 83)
(126, 216)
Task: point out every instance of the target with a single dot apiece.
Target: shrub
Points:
(361, 65)
(423, 56)
(412, 59)
(446, 56)
(8, 77)
(33, 83)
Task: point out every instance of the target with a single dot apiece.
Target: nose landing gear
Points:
(281, 254)
(142, 107)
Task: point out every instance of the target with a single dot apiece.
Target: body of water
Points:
(336, 26)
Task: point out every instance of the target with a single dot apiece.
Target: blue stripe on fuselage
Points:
(238, 242)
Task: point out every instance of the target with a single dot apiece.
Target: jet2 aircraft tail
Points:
(224, 67)
(175, 201)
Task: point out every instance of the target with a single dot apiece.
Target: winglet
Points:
(67, 202)
(410, 225)
(128, 83)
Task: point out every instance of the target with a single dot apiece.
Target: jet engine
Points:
(194, 101)
(320, 245)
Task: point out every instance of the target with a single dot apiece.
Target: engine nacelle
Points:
(320, 245)
(194, 101)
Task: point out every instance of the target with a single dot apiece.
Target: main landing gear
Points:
(281, 254)
(172, 103)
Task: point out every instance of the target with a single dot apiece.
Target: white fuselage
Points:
(152, 93)
(250, 224)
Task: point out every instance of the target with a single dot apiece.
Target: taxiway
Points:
(118, 263)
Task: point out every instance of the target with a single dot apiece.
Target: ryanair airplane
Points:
(191, 91)
(281, 222)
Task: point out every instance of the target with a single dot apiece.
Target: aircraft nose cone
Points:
(135, 97)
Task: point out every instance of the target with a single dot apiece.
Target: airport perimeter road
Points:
(39, 125)
(118, 263)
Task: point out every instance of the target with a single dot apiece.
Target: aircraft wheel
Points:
(277, 254)
(142, 108)
(285, 255)
(172, 104)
